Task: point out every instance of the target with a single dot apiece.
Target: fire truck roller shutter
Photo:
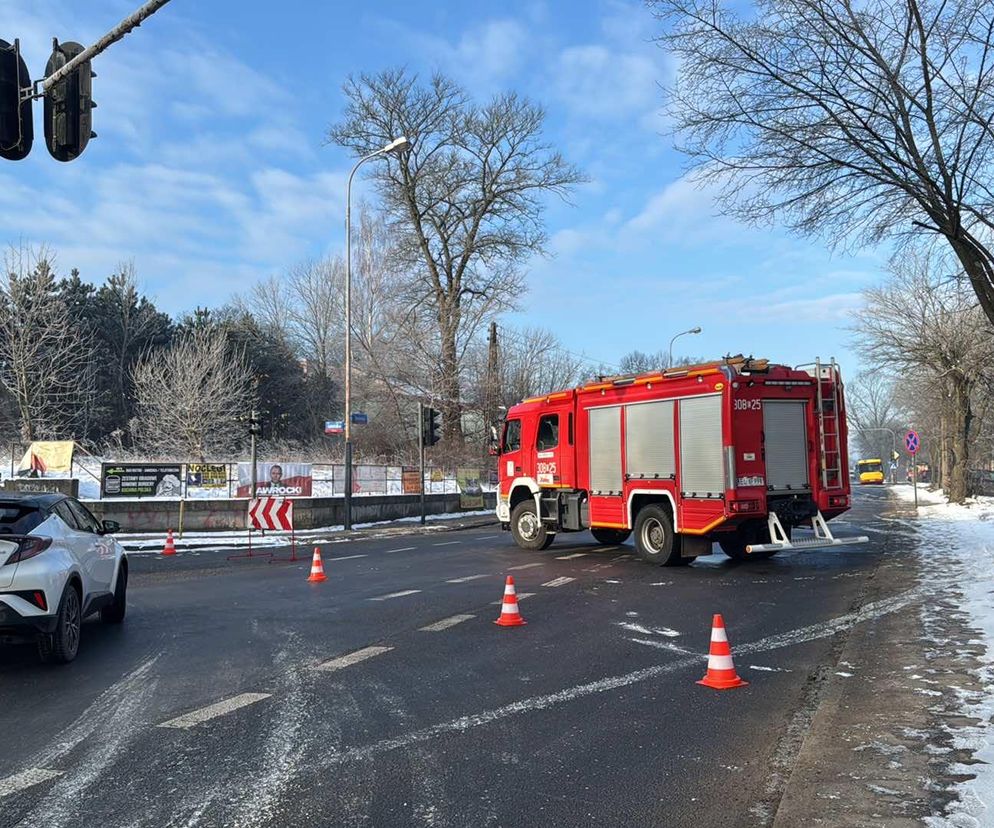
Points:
(605, 450)
(702, 460)
(649, 446)
(786, 445)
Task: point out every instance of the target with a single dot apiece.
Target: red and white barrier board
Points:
(271, 513)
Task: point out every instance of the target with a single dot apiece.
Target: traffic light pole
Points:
(421, 455)
(252, 419)
(132, 21)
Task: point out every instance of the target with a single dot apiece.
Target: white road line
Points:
(489, 537)
(520, 596)
(445, 623)
(523, 566)
(402, 549)
(610, 683)
(574, 555)
(557, 582)
(665, 645)
(346, 557)
(349, 659)
(400, 594)
(468, 578)
(26, 779)
(212, 711)
(446, 543)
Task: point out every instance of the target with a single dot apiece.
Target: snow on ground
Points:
(957, 541)
(151, 542)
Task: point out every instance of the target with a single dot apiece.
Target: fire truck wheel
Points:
(527, 530)
(610, 537)
(654, 536)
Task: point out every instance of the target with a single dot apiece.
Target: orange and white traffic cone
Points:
(509, 615)
(170, 544)
(721, 673)
(317, 568)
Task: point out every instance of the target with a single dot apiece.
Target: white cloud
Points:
(602, 83)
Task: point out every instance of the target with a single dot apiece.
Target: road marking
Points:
(557, 582)
(400, 594)
(489, 537)
(574, 555)
(520, 596)
(26, 779)
(346, 558)
(523, 566)
(349, 659)
(468, 578)
(212, 711)
(446, 543)
(639, 628)
(665, 645)
(570, 694)
(402, 549)
(445, 623)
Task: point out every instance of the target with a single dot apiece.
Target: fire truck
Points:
(737, 452)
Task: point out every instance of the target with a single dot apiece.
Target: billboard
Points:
(411, 478)
(46, 456)
(470, 490)
(206, 475)
(141, 480)
(275, 479)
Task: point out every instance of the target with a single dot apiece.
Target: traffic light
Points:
(255, 425)
(68, 105)
(16, 125)
(431, 427)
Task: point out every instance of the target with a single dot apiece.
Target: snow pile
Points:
(957, 545)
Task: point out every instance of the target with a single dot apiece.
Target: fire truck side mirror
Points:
(494, 448)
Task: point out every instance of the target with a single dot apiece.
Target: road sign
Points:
(360, 418)
(912, 442)
(334, 426)
(271, 513)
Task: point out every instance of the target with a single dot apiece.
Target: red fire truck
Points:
(738, 452)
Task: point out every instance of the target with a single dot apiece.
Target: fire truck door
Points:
(552, 450)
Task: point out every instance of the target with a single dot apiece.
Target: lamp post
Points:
(396, 146)
(695, 330)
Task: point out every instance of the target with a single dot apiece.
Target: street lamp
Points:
(696, 330)
(396, 146)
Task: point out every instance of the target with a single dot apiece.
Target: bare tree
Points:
(46, 362)
(467, 199)
(855, 121)
(874, 413)
(192, 398)
(930, 330)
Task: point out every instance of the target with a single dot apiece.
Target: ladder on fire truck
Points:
(829, 429)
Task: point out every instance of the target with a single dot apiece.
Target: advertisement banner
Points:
(207, 475)
(46, 456)
(141, 480)
(412, 480)
(275, 479)
(470, 490)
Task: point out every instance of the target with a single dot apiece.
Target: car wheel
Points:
(114, 614)
(654, 539)
(610, 537)
(61, 646)
(527, 530)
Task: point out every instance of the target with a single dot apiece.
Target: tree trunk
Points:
(960, 422)
(979, 269)
(449, 391)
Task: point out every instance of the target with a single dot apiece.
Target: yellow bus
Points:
(870, 472)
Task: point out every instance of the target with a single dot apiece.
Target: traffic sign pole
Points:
(912, 442)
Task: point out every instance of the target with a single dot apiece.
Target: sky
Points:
(212, 171)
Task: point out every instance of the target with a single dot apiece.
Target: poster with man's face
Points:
(275, 479)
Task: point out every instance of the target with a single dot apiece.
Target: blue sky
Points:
(211, 169)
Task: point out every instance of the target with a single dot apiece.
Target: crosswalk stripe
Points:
(349, 659)
(400, 594)
(212, 711)
(445, 623)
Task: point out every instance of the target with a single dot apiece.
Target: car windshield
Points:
(18, 519)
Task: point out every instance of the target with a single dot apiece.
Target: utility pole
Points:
(253, 429)
(492, 394)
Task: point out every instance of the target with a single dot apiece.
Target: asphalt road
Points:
(589, 715)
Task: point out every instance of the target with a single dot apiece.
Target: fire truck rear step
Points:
(823, 537)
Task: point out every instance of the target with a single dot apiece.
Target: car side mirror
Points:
(110, 527)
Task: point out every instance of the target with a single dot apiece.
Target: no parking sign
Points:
(912, 442)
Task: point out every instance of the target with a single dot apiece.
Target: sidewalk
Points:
(152, 543)
(889, 734)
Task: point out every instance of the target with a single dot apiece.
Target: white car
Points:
(58, 565)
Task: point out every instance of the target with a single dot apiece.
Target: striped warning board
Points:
(271, 513)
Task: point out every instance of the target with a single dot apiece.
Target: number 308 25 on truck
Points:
(738, 452)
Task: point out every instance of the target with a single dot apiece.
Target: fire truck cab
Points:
(737, 452)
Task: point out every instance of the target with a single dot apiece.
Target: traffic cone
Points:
(317, 568)
(170, 544)
(721, 673)
(509, 615)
